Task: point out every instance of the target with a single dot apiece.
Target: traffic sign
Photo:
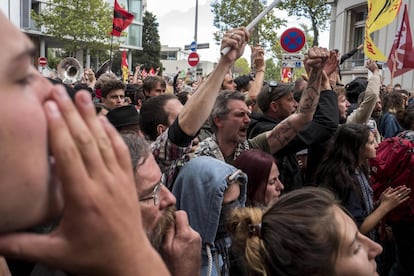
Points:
(199, 46)
(42, 61)
(291, 64)
(295, 57)
(193, 59)
(193, 46)
(292, 40)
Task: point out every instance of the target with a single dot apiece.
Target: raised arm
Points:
(260, 68)
(198, 107)
(279, 136)
(362, 114)
(137, 74)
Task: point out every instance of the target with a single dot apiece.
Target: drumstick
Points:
(254, 22)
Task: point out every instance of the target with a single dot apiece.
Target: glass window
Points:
(135, 7)
(25, 13)
(356, 36)
(135, 35)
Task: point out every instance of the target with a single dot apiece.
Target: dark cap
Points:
(123, 116)
(271, 92)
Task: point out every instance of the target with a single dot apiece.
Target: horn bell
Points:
(69, 70)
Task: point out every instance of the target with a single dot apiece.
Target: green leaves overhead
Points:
(81, 23)
(230, 14)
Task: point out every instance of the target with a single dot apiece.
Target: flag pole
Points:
(394, 64)
(110, 52)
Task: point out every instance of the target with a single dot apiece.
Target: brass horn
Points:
(69, 70)
(105, 68)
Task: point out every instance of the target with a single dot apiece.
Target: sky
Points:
(176, 21)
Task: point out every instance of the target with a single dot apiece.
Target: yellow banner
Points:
(380, 14)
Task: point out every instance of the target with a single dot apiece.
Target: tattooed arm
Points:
(281, 134)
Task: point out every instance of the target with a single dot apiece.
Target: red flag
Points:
(401, 58)
(152, 71)
(144, 73)
(122, 19)
(124, 66)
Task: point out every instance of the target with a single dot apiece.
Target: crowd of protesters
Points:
(213, 176)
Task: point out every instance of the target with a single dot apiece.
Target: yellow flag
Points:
(371, 50)
(380, 14)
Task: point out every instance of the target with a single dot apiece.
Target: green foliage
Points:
(241, 67)
(79, 23)
(230, 14)
(317, 11)
(151, 55)
(272, 71)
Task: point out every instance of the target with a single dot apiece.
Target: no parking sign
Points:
(292, 40)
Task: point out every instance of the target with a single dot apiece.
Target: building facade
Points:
(19, 13)
(174, 60)
(347, 32)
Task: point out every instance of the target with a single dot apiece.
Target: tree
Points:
(80, 24)
(230, 14)
(151, 54)
(318, 11)
(272, 71)
(241, 67)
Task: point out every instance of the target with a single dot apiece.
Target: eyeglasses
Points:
(155, 195)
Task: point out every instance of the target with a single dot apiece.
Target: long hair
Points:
(406, 118)
(296, 236)
(342, 158)
(393, 102)
(257, 165)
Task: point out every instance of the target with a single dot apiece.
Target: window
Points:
(135, 35)
(356, 18)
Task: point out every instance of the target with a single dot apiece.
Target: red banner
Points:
(122, 19)
(401, 58)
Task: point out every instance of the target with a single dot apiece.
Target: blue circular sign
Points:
(193, 46)
(292, 40)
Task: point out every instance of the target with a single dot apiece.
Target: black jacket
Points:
(313, 137)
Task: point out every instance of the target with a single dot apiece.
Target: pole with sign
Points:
(292, 40)
(193, 59)
(42, 61)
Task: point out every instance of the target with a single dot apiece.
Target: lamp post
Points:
(196, 22)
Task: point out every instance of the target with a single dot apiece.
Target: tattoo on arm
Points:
(284, 133)
(309, 100)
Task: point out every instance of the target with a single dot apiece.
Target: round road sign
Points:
(193, 59)
(292, 40)
(42, 61)
(193, 46)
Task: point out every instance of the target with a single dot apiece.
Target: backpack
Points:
(393, 166)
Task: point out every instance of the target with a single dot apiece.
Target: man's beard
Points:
(166, 221)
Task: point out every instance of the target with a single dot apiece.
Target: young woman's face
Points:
(370, 149)
(356, 254)
(274, 187)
